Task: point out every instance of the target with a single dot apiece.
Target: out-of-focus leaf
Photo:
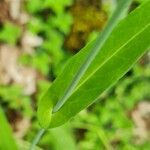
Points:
(57, 6)
(7, 141)
(56, 141)
(10, 33)
(66, 141)
(62, 21)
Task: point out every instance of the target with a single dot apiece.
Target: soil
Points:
(4, 11)
(88, 16)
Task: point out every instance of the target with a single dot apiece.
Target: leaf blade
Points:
(74, 104)
(134, 22)
(6, 138)
(99, 42)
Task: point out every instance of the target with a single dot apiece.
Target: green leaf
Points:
(10, 33)
(126, 44)
(67, 140)
(7, 141)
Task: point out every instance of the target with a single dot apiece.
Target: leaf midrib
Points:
(118, 50)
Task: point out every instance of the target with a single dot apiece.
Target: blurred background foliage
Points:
(37, 37)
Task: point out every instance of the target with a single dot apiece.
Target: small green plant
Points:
(12, 30)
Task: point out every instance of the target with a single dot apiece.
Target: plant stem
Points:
(37, 138)
(100, 41)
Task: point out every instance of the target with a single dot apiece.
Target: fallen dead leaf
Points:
(141, 118)
(12, 71)
(29, 41)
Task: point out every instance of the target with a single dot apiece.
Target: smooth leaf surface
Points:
(127, 43)
(7, 141)
(96, 47)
